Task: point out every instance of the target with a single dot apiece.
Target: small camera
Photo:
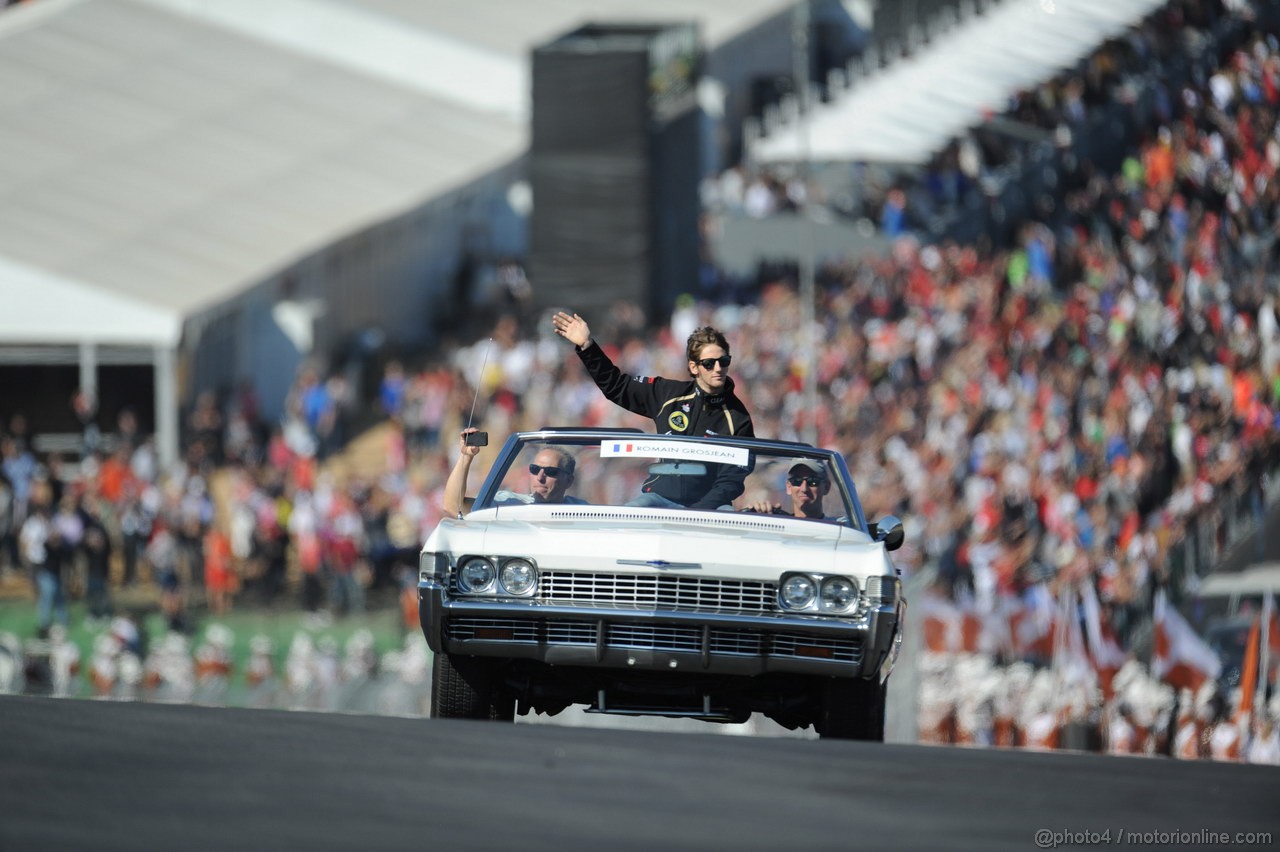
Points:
(477, 439)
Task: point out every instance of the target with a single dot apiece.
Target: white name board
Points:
(673, 450)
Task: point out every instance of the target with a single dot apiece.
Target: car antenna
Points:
(479, 439)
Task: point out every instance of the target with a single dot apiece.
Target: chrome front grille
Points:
(800, 645)
(742, 642)
(650, 637)
(492, 629)
(643, 637)
(657, 591)
(571, 633)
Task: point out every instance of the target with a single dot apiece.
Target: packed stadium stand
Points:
(909, 110)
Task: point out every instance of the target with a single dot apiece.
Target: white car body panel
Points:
(722, 546)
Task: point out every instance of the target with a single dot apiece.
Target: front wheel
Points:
(469, 688)
(852, 710)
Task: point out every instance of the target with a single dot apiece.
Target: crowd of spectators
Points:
(1121, 351)
(251, 513)
(1143, 65)
(972, 700)
(1075, 112)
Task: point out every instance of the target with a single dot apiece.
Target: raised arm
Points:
(455, 486)
(637, 394)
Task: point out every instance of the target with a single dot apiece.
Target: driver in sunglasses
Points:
(807, 485)
(703, 403)
(550, 475)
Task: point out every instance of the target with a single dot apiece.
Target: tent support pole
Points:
(89, 370)
(166, 404)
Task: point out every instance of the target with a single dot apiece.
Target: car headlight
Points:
(477, 575)
(838, 594)
(518, 576)
(797, 591)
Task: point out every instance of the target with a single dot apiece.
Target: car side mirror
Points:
(888, 530)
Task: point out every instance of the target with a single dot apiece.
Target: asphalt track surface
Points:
(87, 775)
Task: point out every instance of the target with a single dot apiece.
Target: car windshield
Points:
(643, 471)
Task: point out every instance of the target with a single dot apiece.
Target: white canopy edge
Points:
(365, 41)
(42, 307)
(27, 15)
(910, 110)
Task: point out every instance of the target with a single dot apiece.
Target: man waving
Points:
(703, 404)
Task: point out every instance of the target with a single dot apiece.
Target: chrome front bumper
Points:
(658, 640)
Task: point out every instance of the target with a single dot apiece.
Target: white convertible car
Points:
(625, 601)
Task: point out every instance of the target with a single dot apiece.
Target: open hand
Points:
(572, 328)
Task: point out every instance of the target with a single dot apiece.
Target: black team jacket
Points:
(678, 408)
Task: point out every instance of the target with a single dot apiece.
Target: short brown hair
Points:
(705, 336)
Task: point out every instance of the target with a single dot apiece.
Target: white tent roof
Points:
(42, 308)
(176, 163)
(174, 152)
(910, 110)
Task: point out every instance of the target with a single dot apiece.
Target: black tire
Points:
(852, 710)
(469, 688)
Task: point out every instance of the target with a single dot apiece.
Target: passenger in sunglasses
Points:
(807, 485)
(550, 475)
(703, 403)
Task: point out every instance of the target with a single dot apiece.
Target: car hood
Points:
(625, 540)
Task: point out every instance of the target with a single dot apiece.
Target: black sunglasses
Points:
(551, 471)
(811, 481)
(723, 361)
